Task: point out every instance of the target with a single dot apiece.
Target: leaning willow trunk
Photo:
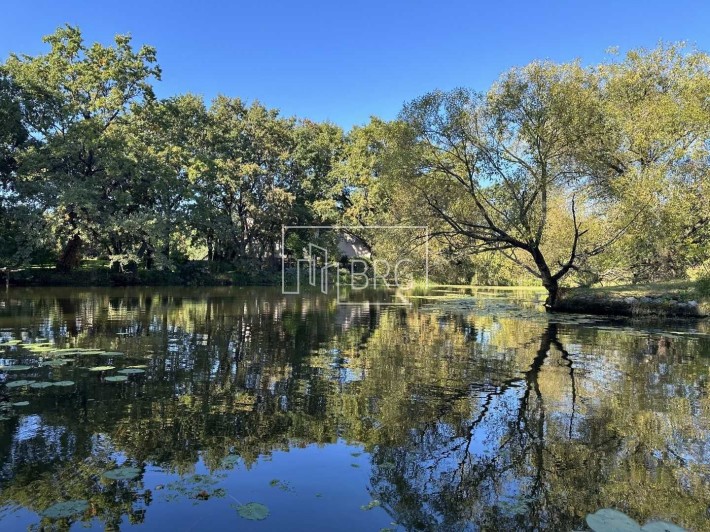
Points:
(553, 289)
(549, 281)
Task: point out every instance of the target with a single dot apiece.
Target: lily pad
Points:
(16, 367)
(63, 384)
(39, 348)
(12, 342)
(131, 371)
(90, 351)
(253, 511)
(21, 403)
(111, 354)
(41, 385)
(18, 384)
(123, 473)
(117, 378)
(140, 366)
(370, 505)
(55, 362)
(63, 510)
(101, 368)
(230, 460)
(608, 519)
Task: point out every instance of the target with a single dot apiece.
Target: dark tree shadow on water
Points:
(495, 472)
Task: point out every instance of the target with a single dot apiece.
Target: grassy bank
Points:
(668, 299)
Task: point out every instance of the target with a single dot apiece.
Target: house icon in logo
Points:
(323, 264)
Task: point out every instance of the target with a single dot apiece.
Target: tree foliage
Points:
(558, 174)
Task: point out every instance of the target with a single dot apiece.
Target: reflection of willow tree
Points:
(503, 422)
(566, 434)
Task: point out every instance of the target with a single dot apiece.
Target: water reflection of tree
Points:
(530, 456)
(470, 419)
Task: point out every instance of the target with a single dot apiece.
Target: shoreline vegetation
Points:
(673, 299)
(557, 175)
(680, 299)
(101, 274)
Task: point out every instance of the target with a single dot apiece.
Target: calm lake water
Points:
(449, 414)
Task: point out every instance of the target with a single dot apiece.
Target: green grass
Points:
(652, 300)
(681, 290)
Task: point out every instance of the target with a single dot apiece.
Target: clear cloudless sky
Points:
(345, 61)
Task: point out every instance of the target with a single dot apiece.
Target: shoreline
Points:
(677, 299)
(673, 299)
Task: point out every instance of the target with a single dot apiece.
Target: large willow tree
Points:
(544, 168)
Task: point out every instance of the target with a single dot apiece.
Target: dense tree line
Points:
(560, 172)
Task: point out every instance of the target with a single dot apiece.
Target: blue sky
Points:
(344, 61)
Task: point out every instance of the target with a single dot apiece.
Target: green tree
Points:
(73, 98)
(166, 152)
(20, 223)
(654, 156)
(244, 195)
(557, 163)
(491, 166)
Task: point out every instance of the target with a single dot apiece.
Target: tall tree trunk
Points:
(71, 255)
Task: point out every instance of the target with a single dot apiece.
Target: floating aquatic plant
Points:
(117, 378)
(18, 384)
(55, 362)
(16, 367)
(281, 484)
(111, 354)
(123, 473)
(199, 487)
(63, 510)
(63, 384)
(131, 371)
(253, 511)
(101, 368)
(36, 348)
(89, 351)
(21, 403)
(41, 385)
(230, 460)
(370, 505)
(608, 520)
